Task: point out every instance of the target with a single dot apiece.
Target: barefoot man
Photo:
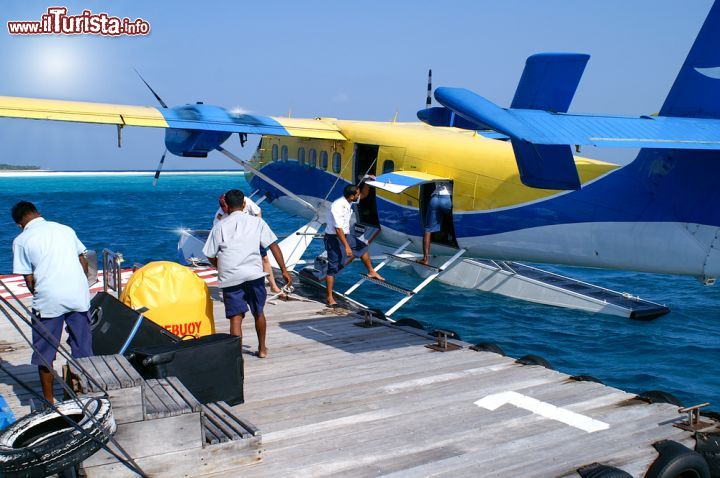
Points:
(254, 210)
(341, 246)
(233, 246)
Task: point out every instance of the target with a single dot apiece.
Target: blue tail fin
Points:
(696, 91)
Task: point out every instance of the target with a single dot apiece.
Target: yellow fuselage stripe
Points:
(484, 171)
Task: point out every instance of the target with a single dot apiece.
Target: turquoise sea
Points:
(678, 353)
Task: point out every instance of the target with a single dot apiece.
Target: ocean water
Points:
(678, 353)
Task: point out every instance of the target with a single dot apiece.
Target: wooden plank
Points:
(89, 367)
(105, 373)
(251, 429)
(129, 369)
(211, 433)
(125, 379)
(166, 405)
(153, 437)
(153, 407)
(185, 394)
(171, 397)
(216, 419)
(223, 459)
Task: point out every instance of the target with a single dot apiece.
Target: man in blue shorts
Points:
(51, 259)
(233, 246)
(341, 246)
(439, 207)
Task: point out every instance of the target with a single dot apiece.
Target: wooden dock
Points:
(336, 399)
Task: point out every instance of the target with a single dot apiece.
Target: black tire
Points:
(408, 322)
(597, 470)
(534, 360)
(585, 378)
(708, 445)
(488, 347)
(677, 460)
(658, 396)
(378, 314)
(43, 443)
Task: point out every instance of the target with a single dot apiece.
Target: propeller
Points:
(164, 105)
(157, 97)
(428, 100)
(159, 168)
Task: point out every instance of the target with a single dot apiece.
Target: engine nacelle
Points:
(190, 133)
(191, 143)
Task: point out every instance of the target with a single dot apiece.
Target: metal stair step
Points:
(388, 285)
(413, 262)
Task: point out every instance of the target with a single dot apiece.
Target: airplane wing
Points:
(398, 181)
(199, 117)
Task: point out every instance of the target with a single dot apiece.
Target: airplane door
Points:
(446, 235)
(366, 163)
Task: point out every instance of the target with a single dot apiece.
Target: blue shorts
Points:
(263, 251)
(248, 295)
(47, 338)
(336, 256)
(438, 208)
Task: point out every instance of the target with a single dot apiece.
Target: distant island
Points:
(18, 167)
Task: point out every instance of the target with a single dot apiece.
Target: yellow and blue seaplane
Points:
(519, 192)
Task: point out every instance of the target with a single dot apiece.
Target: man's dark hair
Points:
(22, 209)
(234, 198)
(350, 190)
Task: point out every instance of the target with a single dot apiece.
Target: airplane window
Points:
(301, 156)
(313, 158)
(274, 152)
(323, 160)
(284, 154)
(337, 163)
(388, 166)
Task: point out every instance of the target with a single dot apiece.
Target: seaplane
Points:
(520, 190)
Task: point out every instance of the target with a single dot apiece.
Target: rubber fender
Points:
(378, 314)
(451, 334)
(408, 322)
(658, 396)
(677, 460)
(534, 360)
(585, 378)
(598, 470)
(42, 443)
(488, 347)
(708, 445)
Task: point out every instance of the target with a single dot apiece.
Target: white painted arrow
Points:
(547, 410)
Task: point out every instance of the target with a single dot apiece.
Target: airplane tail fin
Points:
(696, 91)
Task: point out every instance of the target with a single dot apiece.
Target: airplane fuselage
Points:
(621, 218)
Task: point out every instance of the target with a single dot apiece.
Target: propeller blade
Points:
(162, 103)
(159, 168)
(428, 100)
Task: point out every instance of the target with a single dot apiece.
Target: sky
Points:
(351, 60)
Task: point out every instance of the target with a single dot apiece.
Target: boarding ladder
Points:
(435, 272)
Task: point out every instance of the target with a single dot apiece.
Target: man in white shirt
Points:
(233, 246)
(51, 259)
(254, 210)
(341, 246)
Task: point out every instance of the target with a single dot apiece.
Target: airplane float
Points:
(519, 193)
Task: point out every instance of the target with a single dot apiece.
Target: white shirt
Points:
(236, 241)
(443, 189)
(250, 208)
(49, 251)
(339, 216)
